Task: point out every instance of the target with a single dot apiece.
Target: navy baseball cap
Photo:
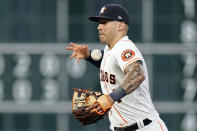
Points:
(112, 12)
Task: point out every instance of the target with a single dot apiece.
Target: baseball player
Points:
(123, 73)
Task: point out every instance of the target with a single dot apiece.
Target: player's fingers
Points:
(84, 46)
(74, 45)
(73, 55)
(77, 60)
(69, 48)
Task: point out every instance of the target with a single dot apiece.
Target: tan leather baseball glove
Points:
(82, 101)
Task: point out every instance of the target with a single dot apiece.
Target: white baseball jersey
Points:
(135, 106)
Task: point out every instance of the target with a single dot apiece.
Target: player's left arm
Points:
(134, 77)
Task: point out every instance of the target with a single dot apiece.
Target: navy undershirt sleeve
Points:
(96, 63)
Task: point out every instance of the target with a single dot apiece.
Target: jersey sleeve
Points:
(127, 54)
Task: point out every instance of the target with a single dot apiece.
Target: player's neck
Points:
(114, 41)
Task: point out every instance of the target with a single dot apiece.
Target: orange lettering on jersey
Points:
(127, 55)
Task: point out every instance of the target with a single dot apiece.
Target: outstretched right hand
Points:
(79, 51)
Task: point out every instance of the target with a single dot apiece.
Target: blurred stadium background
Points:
(37, 77)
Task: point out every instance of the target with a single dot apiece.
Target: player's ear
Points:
(121, 26)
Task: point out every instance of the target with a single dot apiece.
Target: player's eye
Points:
(103, 21)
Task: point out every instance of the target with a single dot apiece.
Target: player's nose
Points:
(100, 26)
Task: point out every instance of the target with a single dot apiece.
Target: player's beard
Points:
(102, 39)
(105, 38)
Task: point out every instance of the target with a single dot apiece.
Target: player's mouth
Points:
(101, 33)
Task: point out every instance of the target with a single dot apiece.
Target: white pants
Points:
(157, 125)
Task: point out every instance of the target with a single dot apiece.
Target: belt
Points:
(133, 127)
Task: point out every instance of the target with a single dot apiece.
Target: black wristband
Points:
(118, 93)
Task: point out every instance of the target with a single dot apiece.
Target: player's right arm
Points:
(79, 51)
(82, 52)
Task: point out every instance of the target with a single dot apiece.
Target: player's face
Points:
(107, 30)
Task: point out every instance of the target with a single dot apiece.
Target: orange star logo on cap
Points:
(103, 9)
